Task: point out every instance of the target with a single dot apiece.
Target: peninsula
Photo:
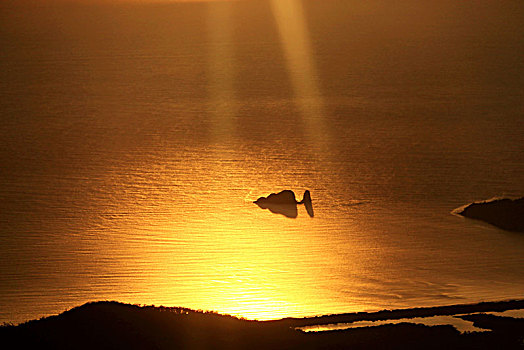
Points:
(507, 214)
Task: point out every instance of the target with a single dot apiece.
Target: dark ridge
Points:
(113, 325)
(492, 306)
(507, 214)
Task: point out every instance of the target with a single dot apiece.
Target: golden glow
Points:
(233, 274)
(239, 263)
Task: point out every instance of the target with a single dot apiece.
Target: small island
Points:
(285, 203)
(507, 214)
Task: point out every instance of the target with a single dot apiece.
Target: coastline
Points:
(112, 325)
(504, 213)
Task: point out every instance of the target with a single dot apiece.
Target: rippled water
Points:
(134, 139)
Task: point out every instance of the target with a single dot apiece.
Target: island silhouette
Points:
(507, 214)
(285, 203)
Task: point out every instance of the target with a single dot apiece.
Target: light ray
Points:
(221, 69)
(289, 15)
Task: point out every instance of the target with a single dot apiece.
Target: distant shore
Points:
(114, 325)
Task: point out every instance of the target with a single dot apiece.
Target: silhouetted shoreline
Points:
(114, 325)
(505, 213)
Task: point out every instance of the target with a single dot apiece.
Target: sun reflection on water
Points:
(226, 254)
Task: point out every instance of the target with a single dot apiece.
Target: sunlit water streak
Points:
(126, 177)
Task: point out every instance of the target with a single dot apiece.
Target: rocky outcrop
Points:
(285, 203)
(283, 197)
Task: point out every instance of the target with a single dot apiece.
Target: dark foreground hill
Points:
(113, 325)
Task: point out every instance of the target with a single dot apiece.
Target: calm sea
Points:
(134, 138)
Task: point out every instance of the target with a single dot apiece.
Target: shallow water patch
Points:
(460, 324)
(509, 313)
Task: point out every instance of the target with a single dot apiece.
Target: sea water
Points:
(134, 139)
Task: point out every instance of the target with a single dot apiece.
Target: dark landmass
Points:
(500, 324)
(285, 203)
(507, 214)
(490, 306)
(113, 325)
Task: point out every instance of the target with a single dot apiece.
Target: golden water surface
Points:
(135, 138)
